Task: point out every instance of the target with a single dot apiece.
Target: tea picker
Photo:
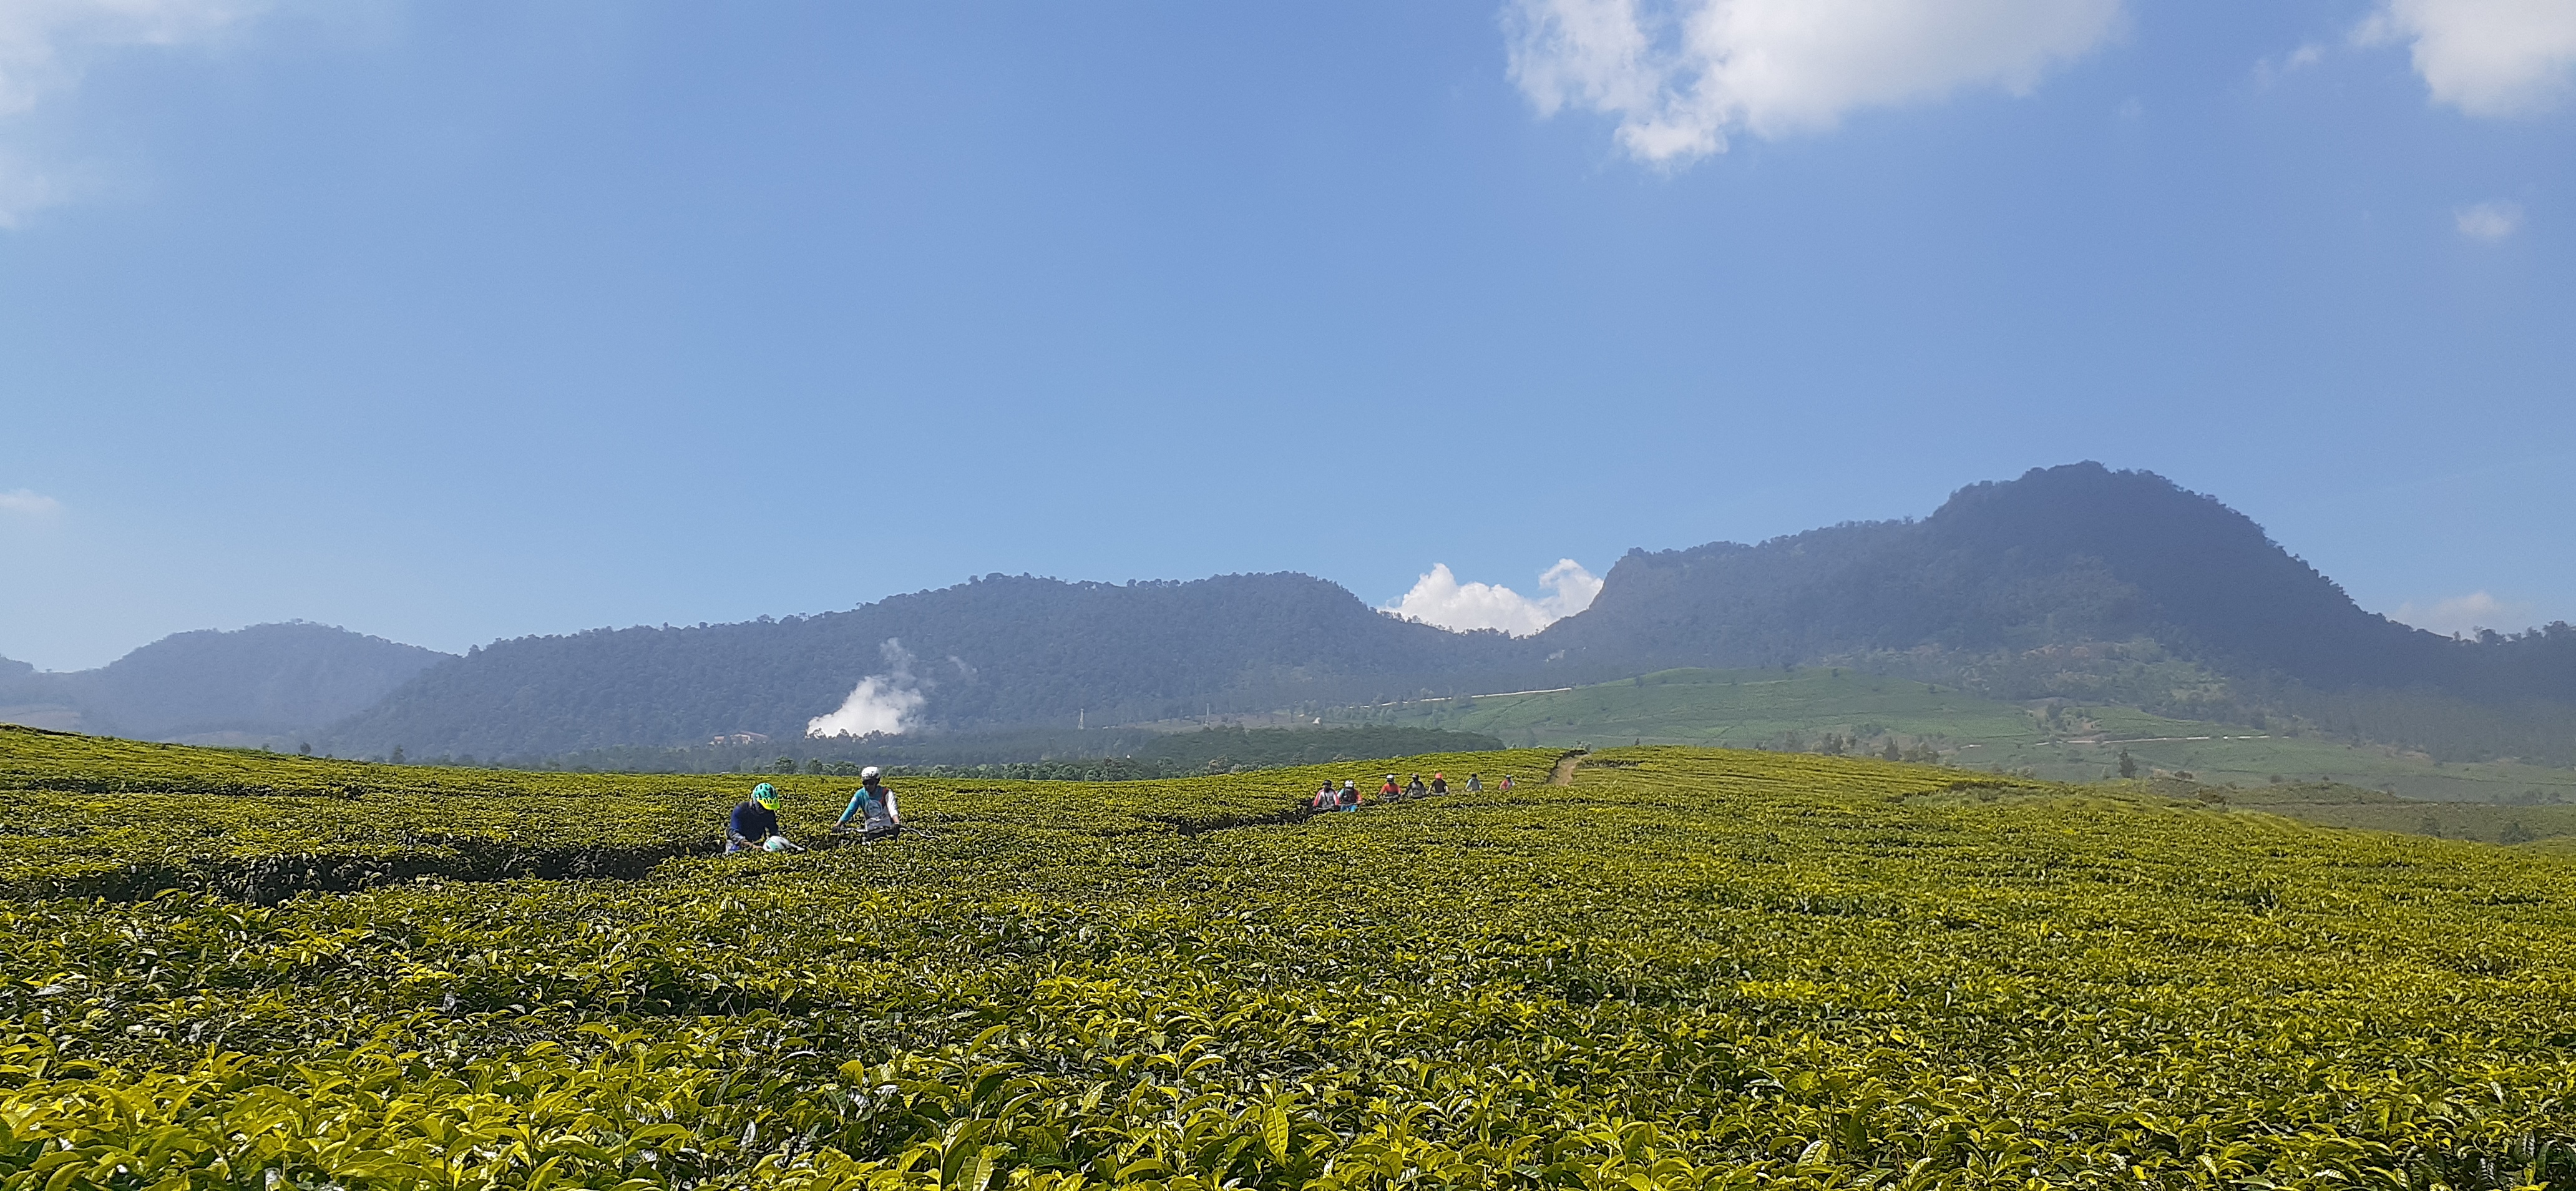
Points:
(754, 825)
(872, 804)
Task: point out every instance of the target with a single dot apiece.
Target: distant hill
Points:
(1832, 709)
(2111, 587)
(2064, 556)
(267, 683)
(2076, 581)
(996, 651)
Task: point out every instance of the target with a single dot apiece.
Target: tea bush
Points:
(1687, 969)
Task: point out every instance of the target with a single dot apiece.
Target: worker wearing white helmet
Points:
(873, 805)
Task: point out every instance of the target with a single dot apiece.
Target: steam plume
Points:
(880, 703)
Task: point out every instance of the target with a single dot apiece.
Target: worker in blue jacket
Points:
(754, 826)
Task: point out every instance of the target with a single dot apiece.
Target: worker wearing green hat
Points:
(754, 826)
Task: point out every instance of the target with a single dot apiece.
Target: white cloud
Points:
(28, 504)
(1438, 598)
(2464, 614)
(45, 45)
(2485, 57)
(2489, 221)
(2271, 70)
(1684, 75)
(880, 703)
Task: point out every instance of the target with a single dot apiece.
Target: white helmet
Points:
(869, 772)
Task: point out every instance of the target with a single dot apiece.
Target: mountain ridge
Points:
(2067, 581)
(2078, 575)
(2063, 554)
(261, 684)
(2071, 581)
(995, 651)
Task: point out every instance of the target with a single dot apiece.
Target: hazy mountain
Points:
(996, 651)
(2078, 580)
(2062, 556)
(2066, 554)
(27, 699)
(267, 683)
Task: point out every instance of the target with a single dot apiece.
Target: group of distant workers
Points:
(1346, 797)
(754, 824)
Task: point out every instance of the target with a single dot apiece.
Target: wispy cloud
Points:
(45, 45)
(2272, 70)
(1438, 598)
(2489, 221)
(2485, 57)
(29, 505)
(1684, 75)
(2464, 614)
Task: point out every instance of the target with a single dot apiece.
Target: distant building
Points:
(741, 738)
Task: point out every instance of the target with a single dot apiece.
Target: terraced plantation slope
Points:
(1797, 711)
(1686, 968)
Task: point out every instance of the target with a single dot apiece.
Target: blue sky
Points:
(465, 321)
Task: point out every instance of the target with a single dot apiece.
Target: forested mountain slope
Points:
(270, 681)
(995, 651)
(2075, 581)
(2061, 556)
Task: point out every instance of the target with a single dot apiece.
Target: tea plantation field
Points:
(1687, 968)
(1796, 711)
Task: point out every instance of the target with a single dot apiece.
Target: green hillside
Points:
(1800, 710)
(2521, 823)
(1681, 969)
